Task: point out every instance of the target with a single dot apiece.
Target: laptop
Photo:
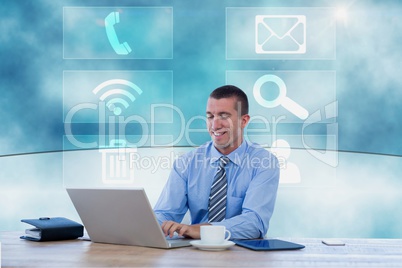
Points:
(121, 216)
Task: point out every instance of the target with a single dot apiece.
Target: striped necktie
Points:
(217, 197)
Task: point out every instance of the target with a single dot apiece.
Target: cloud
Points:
(369, 61)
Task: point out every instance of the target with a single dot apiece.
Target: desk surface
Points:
(80, 253)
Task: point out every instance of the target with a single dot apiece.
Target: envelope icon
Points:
(280, 34)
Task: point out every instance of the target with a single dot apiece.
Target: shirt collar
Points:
(235, 157)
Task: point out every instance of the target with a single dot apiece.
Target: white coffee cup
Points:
(214, 234)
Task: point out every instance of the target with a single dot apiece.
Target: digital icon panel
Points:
(290, 96)
(118, 32)
(99, 106)
(293, 109)
(280, 33)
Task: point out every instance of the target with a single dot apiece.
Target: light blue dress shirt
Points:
(253, 177)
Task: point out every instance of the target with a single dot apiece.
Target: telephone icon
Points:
(120, 48)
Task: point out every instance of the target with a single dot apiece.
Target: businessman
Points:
(228, 181)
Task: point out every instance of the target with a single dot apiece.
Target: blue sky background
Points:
(368, 67)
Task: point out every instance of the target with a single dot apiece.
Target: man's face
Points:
(225, 125)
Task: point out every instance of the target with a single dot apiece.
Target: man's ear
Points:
(244, 120)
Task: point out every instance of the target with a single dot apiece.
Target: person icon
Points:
(290, 172)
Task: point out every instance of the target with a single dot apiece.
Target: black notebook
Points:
(51, 229)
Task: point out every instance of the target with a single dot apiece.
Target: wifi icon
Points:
(117, 98)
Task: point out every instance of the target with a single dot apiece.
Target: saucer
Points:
(198, 244)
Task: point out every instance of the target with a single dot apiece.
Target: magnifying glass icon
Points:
(281, 99)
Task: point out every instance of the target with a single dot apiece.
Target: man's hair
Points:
(229, 91)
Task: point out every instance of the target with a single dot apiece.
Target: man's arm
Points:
(172, 206)
(172, 203)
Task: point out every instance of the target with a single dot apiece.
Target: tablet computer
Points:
(267, 244)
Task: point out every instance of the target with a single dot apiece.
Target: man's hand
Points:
(192, 231)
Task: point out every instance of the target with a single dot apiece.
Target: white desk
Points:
(79, 253)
